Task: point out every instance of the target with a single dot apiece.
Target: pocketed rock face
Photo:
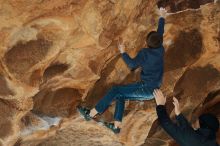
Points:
(58, 54)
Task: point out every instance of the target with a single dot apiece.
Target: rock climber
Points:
(151, 61)
(203, 133)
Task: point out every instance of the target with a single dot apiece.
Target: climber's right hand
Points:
(163, 12)
(121, 46)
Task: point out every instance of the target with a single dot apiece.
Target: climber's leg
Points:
(104, 103)
(119, 110)
(116, 126)
(114, 93)
(138, 91)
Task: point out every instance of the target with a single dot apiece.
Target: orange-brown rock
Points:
(55, 55)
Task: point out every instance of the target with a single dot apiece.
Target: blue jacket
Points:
(150, 60)
(183, 133)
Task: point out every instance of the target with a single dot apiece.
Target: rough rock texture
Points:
(55, 55)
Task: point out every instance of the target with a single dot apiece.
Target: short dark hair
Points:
(154, 40)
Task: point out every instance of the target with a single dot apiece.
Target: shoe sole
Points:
(110, 129)
(101, 123)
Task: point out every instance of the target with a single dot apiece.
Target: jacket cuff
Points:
(162, 19)
(161, 107)
(180, 116)
(124, 53)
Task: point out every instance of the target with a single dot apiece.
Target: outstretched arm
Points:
(183, 131)
(183, 123)
(171, 128)
(132, 63)
(161, 23)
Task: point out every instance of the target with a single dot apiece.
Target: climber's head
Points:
(209, 121)
(154, 40)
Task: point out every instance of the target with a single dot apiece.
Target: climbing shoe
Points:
(84, 112)
(112, 127)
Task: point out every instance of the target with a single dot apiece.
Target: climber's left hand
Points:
(121, 45)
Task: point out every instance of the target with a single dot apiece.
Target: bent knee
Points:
(114, 89)
(119, 99)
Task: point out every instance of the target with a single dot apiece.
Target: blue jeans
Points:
(136, 91)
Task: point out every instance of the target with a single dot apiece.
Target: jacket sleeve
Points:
(183, 123)
(161, 24)
(171, 128)
(132, 63)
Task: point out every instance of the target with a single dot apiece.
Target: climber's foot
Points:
(84, 112)
(112, 127)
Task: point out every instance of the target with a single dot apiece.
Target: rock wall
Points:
(55, 55)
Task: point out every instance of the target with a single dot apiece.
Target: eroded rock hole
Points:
(54, 70)
(95, 94)
(61, 102)
(197, 81)
(211, 104)
(186, 49)
(214, 110)
(211, 96)
(23, 56)
(180, 5)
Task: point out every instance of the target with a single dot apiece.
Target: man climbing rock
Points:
(150, 60)
(182, 132)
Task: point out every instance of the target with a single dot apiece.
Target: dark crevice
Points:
(54, 70)
(93, 66)
(196, 81)
(23, 56)
(211, 96)
(180, 5)
(4, 89)
(215, 110)
(187, 49)
(18, 142)
(61, 102)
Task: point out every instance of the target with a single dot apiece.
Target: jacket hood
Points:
(207, 133)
